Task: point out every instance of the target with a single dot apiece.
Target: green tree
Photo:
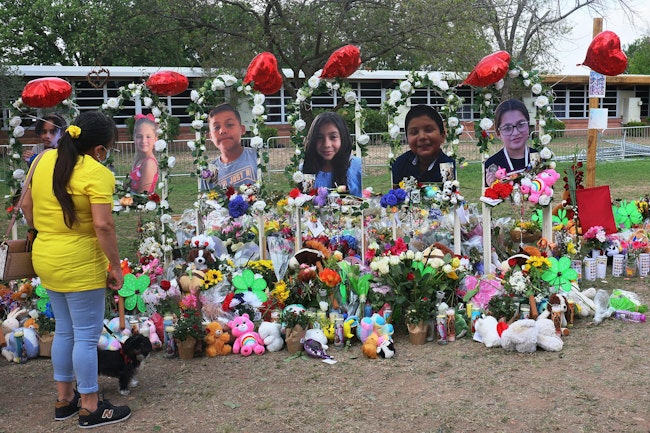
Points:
(638, 55)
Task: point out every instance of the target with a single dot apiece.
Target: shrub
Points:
(555, 128)
(634, 131)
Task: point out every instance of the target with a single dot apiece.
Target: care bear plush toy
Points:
(247, 340)
(270, 333)
(539, 190)
(216, 340)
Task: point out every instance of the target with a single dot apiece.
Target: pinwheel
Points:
(132, 291)
(560, 274)
(249, 282)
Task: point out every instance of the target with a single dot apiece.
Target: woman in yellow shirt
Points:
(75, 244)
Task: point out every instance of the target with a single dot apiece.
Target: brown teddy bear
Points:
(216, 340)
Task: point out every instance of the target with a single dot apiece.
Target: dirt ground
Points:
(599, 382)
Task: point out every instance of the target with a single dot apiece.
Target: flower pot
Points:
(45, 345)
(186, 348)
(293, 337)
(418, 332)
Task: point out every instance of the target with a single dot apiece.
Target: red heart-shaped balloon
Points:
(46, 92)
(604, 54)
(264, 73)
(489, 69)
(167, 83)
(342, 63)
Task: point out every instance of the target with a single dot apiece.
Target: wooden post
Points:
(592, 134)
(457, 240)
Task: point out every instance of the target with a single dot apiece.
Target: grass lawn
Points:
(627, 180)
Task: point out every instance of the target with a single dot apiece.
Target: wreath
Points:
(317, 86)
(210, 94)
(16, 173)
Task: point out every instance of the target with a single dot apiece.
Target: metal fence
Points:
(613, 143)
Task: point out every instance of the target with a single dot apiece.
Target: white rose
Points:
(15, 121)
(419, 256)
(12, 141)
(258, 110)
(552, 165)
(160, 145)
(499, 84)
(350, 97)
(194, 95)
(131, 86)
(297, 152)
(488, 96)
(447, 268)
(546, 153)
(363, 139)
(300, 125)
(19, 131)
(298, 177)
(313, 82)
(259, 99)
(336, 86)
(544, 200)
(374, 266)
(257, 142)
(105, 107)
(410, 255)
(542, 123)
(545, 139)
(391, 155)
(383, 268)
(536, 89)
(18, 174)
(113, 103)
(156, 112)
(527, 83)
(524, 74)
(394, 96)
(453, 121)
(406, 87)
(486, 123)
(444, 86)
(228, 80)
(191, 145)
(197, 124)
(541, 101)
(460, 130)
(435, 262)
(259, 206)
(150, 206)
(147, 101)
(171, 161)
(394, 132)
(166, 218)
(217, 84)
(18, 103)
(513, 73)
(301, 95)
(16, 156)
(394, 260)
(435, 78)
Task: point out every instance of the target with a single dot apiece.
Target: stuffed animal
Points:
(539, 190)
(216, 340)
(603, 310)
(200, 258)
(270, 333)
(24, 291)
(521, 336)
(374, 324)
(557, 301)
(317, 334)
(149, 324)
(547, 338)
(191, 282)
(30, 345)
(109, 342)
(486, 331)
(12, 322)
(247, 341)
(315, 349)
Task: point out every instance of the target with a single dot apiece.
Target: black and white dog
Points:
(124, 364)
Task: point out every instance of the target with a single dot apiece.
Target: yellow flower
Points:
(212, 277)
(455, 262)
(283, 202)
(74, 131)
(213, 195)
(571, 248)
(271, 226)
(280, 292)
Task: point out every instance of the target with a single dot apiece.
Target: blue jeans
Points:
(79, 322)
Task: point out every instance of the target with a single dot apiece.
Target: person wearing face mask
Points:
(425, 133)
(49, 129)
(144, 173)
(512, 123)
(328, 154)
(69, 202)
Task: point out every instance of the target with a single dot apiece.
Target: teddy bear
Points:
(270, 333)
(151, 332)
(247, 340)
(486, 331)
(539, 190)
(526, 335)
(216, 340)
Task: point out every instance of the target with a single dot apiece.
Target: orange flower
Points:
(329, 277)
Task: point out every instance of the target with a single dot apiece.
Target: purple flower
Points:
(237, 206)
(206, 174)
(400, 194)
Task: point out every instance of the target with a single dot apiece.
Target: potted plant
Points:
(295, 322)
(418, 315)
(188, 331)
(45, 334)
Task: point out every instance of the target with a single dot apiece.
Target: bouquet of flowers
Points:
(596, 238)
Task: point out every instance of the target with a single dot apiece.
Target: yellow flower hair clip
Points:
(74, 131)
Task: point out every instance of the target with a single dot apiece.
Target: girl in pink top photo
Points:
(144, 174)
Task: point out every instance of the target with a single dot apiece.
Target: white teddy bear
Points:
(270, 333)
(486, 331)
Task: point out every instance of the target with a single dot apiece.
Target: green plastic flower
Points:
(627, 214)
(560, 274)
(43, 300)
(561, 217)
(132, 291)
(249, 282)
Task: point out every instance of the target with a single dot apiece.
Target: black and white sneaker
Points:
(106, 413)
(66, 409)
